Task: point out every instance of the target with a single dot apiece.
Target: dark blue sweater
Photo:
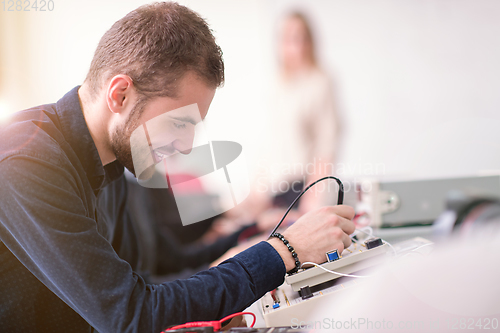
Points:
(68, 254)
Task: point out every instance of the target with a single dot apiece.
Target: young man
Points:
(63, 237)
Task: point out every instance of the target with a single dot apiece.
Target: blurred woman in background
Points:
(304, 118)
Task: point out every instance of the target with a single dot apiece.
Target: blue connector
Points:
(332, 255)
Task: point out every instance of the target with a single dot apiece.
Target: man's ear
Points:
(119, 93)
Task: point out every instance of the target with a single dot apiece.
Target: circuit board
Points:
(288, 302)
(355, 258)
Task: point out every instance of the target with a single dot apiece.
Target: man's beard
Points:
(120, 138)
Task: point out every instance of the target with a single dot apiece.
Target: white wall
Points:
(418, 80)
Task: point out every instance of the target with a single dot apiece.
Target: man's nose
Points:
(185, 151)
(184, 145)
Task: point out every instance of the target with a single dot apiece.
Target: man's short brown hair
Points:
(155, 45)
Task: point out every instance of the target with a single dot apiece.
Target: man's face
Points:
(173, 129)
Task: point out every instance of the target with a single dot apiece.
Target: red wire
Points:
(356, 218)
(216, 324)
(239, 314)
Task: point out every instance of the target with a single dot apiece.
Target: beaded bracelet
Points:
(292, 251)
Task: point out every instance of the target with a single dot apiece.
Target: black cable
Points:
(340, 199)
(464, 211)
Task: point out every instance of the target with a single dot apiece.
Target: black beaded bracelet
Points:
(292, 251)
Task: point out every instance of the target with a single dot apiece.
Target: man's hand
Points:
(315, 233)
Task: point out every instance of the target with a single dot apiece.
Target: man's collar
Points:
(76, 132)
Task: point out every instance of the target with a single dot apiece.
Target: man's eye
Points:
(178, 125)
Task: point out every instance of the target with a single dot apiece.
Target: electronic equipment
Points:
(353, 259)
(466, 215)
(308, 290)
(417, 202)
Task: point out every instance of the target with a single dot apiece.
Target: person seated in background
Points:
(68, 259)
(170, 249)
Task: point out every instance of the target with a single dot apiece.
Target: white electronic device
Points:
(307, 290)
(353, 259)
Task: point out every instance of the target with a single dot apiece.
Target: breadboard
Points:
(328, 287)
(355, 258)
